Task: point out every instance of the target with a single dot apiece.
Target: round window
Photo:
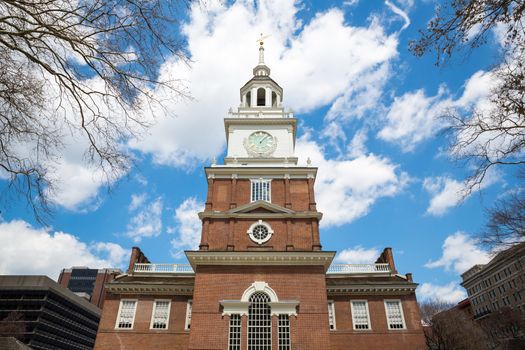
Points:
(260, 232)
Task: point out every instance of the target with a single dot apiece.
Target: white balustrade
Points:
(163, 268)
(358, 268)
(333, 269)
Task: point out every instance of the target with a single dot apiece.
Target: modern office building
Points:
(260, 279)
(87, 283)
(44, 315)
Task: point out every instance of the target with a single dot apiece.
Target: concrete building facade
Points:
(44, 315)
(497, 284)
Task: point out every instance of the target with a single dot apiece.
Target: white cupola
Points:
(261, 91)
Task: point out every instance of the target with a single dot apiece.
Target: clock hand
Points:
(264, 138)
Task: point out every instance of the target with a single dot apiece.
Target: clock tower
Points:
(260, 261)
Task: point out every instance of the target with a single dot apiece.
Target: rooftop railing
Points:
(358, 268)
(333, 269)
(163, 268)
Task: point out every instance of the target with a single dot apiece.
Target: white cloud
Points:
(460, 253)
(147, 222)
(346, 189)
(350, 2)
(448, 293)
(28, 250)
(357, 146)
(136, 201)
(415, 117)
(399, 12)
(188, 225)
(446, 193)
(357, 255)
(224, 36)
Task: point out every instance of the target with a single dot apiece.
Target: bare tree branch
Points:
(86, 68)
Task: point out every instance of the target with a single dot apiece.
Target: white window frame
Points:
(153, 310)
(136, 301)
(189, 309)
(402, 314)
(257, 240)
(253, 181)
(237, 326)
(331, 309)
(367, 315)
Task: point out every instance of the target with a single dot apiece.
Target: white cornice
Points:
(260, 121)
(371, 288)
(261, 161)
(227, 215)
(249, 172)
(149, 288)
(260, 258)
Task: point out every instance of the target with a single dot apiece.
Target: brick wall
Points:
(309, 330)
(141, 337)
(379, 337)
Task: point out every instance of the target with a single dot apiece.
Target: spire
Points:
(261, 53)
(261, 49)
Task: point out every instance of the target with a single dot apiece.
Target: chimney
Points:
(409, 277)
(387, 257)
(137, 257)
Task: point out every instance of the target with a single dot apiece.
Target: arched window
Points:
(259, 322)
(249, 99)
(274, 99)
(261, 97)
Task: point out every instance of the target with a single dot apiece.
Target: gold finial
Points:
(261, 39)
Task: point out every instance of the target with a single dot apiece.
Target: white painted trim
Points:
(234, 307)
(260, 240)
(189, 310)
(261, 179)
(284, 307)
(331, 307)
(197, 257)
(259, 286)
(154, 308)
(402, 315)
(367, 314)
(119, 311)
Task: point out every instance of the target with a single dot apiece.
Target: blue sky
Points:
(368, 118)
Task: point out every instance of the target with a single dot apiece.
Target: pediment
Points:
(261, 207)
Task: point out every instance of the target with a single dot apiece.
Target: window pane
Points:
(188, 314)
(394, 315)
(261, 190)
(259, 323)
(284, 332)
(360, 315)
(161, 314)
(127, 312)
(331, 315)
(234, 339)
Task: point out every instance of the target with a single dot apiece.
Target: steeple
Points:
(261, 69)
(261, 91)
(260, 132)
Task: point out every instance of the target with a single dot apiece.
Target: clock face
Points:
(260, 142)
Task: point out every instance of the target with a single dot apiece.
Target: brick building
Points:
(87, 283)
(260, 279)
